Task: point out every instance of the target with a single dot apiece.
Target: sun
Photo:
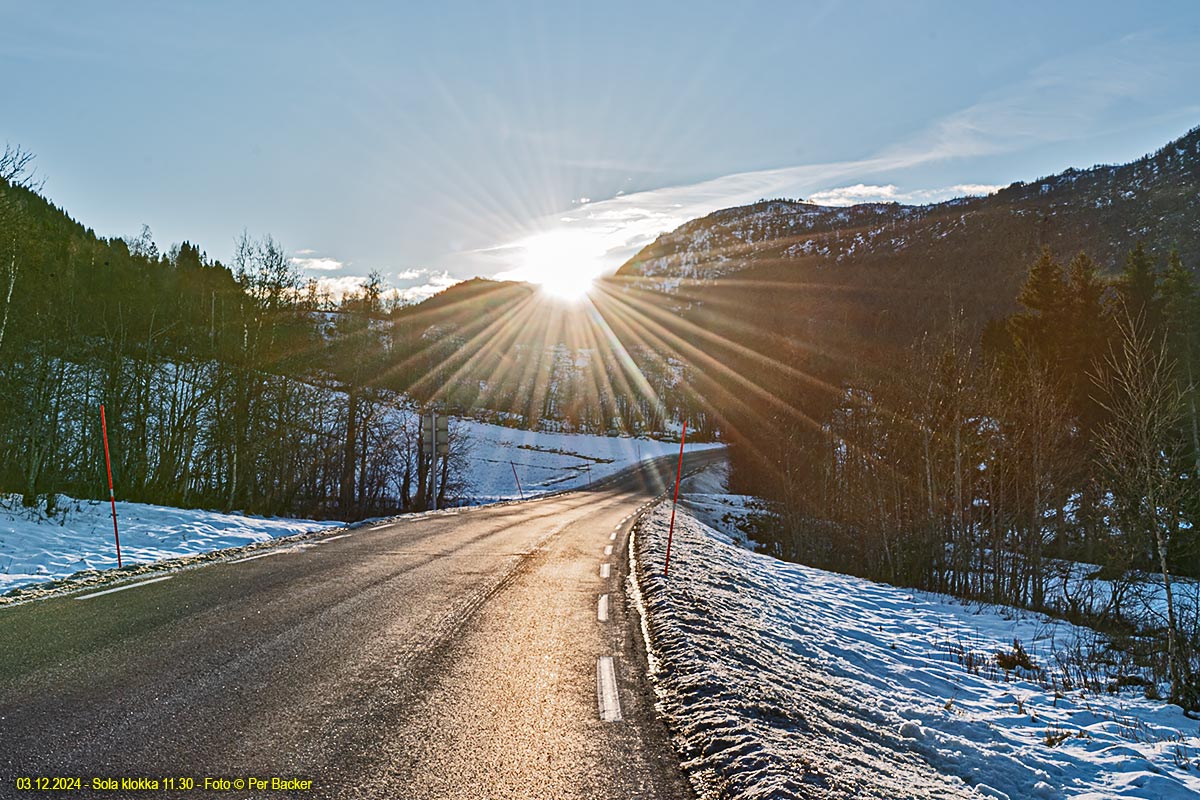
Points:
(565, 264)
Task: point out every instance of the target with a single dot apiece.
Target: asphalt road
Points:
(451, 655)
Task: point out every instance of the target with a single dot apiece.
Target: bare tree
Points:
(16, 168)
(1136, 448)
(16, 171)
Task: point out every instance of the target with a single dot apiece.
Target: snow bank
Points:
(34, 548)
(783, 681)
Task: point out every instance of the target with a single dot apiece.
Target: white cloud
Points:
(340, 286)
(437, 282)
(316, 264)
(868, 193)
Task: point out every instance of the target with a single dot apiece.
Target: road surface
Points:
(455, 655)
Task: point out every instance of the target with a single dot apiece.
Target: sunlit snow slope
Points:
(784, 681)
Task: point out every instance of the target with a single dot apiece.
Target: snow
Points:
(548, 462)
(34, 549)
(781, 680)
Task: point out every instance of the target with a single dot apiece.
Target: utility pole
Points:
(433, 470)
(429, 443)
(435, 436)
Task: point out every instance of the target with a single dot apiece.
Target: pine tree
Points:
(1086, 332)
(1181, 321)
(1044, 296)
(1138, 288)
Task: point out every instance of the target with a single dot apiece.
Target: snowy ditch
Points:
(784, 681)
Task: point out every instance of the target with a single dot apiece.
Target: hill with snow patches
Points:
(874, 264)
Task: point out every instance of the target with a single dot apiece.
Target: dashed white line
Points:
(604, 570)
(608, 550)
(612, 537)
(123, 588)
(606, 690)
(331, 538)
(602, 608)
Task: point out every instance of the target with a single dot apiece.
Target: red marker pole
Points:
(678, 474)
(112, 498)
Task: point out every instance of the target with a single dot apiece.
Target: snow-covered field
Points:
(547, 462)
(785, 681)
(34, 549)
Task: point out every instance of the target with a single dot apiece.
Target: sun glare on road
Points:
(564, 264)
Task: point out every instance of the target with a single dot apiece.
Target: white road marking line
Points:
(260, 555)
(604, 570)
(331, 538)
(602, 608)
(606, 690)
(612, 537)
(123, 588)
(608, 550)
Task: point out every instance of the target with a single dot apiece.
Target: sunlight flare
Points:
(564, 263)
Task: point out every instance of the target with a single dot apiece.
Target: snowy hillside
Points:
(784, 681)
(550, 461)
(1103, 210)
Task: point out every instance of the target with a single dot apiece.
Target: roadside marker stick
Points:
(112, 498)
(678, 474)
(518, 480)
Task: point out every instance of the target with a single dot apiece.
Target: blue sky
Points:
(438, 141)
